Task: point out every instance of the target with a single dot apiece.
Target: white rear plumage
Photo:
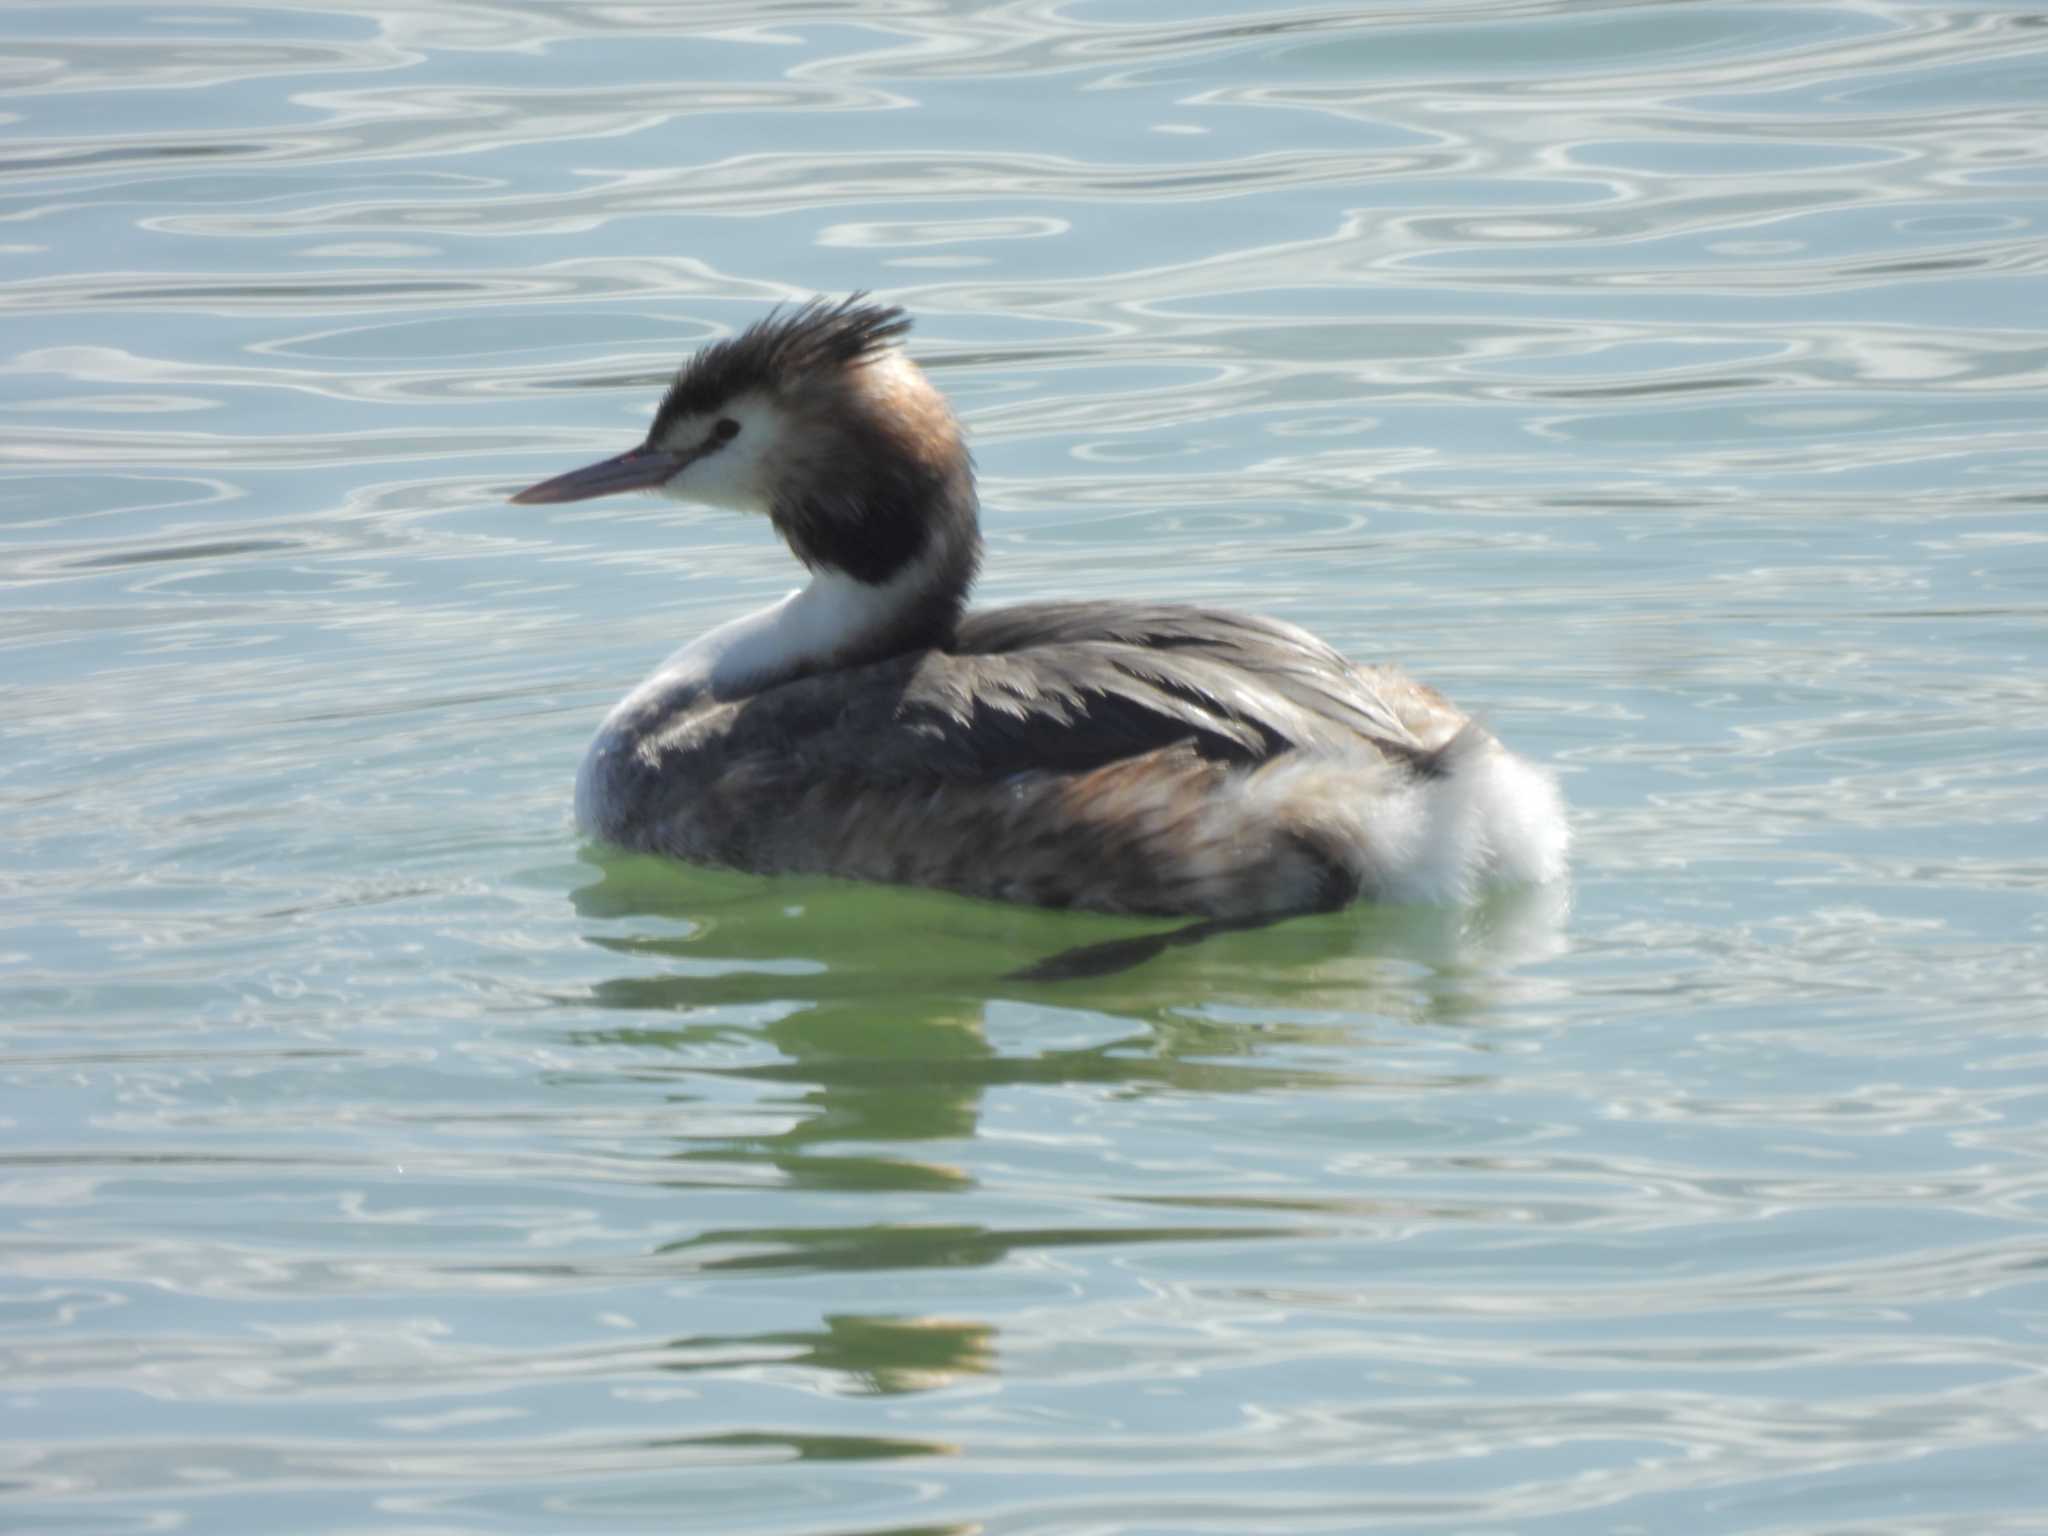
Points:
(1490, 818)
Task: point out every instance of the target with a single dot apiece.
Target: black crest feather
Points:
(784, 346)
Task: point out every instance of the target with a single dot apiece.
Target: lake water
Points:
(1666, 382)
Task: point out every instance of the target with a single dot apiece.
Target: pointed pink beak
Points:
(634, 470)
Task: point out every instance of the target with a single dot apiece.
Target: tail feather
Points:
(1493, 818)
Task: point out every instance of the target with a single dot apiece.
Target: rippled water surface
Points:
(1663, 380)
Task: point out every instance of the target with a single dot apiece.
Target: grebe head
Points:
(814, 417)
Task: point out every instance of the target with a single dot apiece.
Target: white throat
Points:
(814, 629)
(810, 630)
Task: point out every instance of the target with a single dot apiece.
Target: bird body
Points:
(1116, 756)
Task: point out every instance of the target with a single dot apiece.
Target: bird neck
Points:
(842, 620)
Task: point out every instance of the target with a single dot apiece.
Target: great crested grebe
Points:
(1118, 756)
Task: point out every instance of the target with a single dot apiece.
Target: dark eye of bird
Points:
(725, 429)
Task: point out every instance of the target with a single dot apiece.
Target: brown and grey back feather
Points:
(1122, 758)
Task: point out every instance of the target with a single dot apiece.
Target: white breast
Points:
(806, 631)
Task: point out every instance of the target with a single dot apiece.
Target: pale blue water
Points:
(1665, 381)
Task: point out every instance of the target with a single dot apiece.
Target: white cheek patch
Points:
(734, 474)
